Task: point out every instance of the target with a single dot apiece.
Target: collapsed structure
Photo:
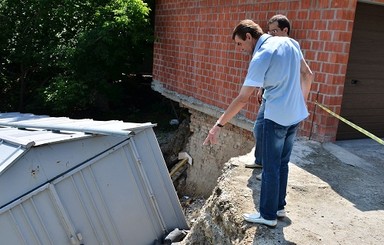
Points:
(66, 181)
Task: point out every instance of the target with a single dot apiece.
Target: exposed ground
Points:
(335, 196)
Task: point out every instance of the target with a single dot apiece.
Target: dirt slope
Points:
(328, 202)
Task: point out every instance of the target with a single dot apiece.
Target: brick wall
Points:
(194, 55)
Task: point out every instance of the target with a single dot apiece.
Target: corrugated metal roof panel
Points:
(56, 124)
(9, 153)
(38, 136)
(19, 132)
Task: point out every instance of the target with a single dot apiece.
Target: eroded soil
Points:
(329, 201)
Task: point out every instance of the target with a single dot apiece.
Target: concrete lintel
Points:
(193, 103)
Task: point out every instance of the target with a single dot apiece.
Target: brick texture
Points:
(194, 54)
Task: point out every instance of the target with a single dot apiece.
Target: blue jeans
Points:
(277, 147)
(258, 134)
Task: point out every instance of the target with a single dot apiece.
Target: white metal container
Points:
(66, 181)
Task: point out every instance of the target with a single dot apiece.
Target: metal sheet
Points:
(57, 124)
(69, 187)
(109, 199)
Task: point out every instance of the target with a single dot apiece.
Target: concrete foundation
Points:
(208, 161)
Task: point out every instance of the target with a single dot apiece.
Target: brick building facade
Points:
(196, 64)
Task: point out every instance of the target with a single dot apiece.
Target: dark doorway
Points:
(363, 98)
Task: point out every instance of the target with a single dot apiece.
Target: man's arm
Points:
(306, 78)
(236, 105)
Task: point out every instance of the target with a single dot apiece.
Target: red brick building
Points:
(196, 64)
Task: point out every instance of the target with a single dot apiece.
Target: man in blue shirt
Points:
(276, 65)
(278, 25)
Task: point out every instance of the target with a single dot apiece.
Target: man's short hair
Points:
(247, 26)
(282, 22)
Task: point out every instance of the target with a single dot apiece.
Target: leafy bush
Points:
(58, 55)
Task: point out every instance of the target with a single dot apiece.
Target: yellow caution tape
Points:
(360, 129)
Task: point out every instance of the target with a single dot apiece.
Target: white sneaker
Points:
(281, 213)
(253, 165)
(256, 218)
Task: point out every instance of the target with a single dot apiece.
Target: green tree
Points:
(57, 56)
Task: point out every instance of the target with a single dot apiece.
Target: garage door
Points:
(363, 99)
